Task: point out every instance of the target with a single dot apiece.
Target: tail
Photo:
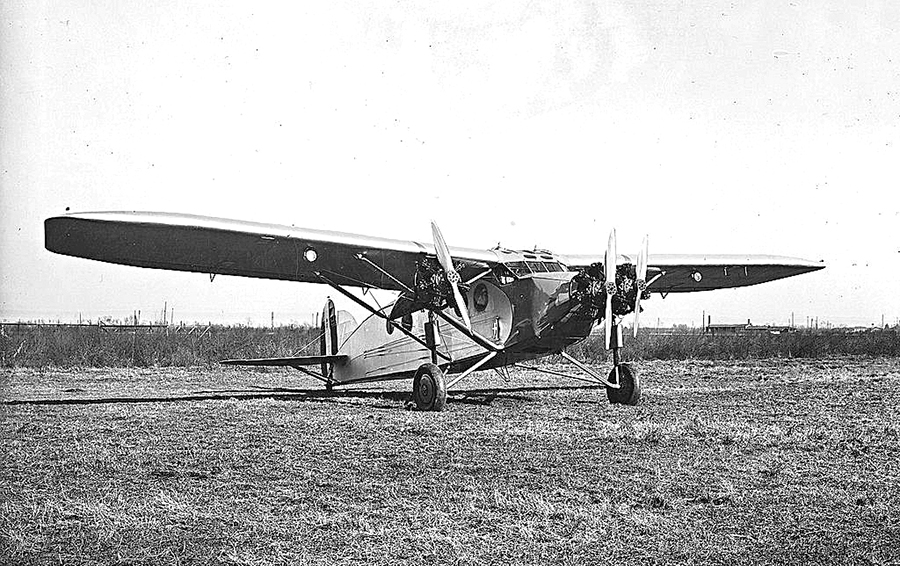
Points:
(328, 347)
(335, 327)
(328, 340)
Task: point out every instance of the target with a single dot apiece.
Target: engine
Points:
(589, 288)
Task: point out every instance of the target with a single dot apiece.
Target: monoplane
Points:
(457, 310)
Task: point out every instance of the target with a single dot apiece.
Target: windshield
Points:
(518, 268)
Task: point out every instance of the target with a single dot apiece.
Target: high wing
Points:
(183, 242)
(685, 273)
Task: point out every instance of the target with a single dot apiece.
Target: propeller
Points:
(609, 266)
(443, 256)
(640, 281)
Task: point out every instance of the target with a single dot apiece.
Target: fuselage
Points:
(524, 307)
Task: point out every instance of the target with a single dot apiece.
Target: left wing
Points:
(183, 242)
(685, 273)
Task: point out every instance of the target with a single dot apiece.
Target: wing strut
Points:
(465, 330)
(481, 362)
(595, 379)
(362, 257)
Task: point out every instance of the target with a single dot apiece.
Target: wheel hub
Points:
(426, 388)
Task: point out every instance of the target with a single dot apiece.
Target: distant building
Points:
(746, 329)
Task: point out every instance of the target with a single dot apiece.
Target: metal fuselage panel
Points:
(546, 319)
(530, 317)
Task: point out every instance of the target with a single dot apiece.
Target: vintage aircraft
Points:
(458, 310)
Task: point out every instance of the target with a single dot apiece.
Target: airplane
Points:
(458, 310)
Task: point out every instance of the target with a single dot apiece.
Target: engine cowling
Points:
(431, 291)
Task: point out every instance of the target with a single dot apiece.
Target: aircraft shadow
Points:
(464, 396)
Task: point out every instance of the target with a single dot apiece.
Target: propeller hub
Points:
(610, 288)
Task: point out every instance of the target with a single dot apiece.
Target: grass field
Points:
(106, 346)
(754, 462)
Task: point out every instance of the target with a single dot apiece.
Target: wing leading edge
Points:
(201, 244)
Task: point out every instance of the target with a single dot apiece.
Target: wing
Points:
(685, 273)
(293, 362)
(183, 242)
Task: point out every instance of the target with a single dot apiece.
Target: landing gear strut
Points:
(629, 390)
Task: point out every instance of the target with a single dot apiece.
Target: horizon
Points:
(276, 320)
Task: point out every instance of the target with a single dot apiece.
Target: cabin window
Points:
(536, 266)
(553, 267)
(480, 297)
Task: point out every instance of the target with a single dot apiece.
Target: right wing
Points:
(184, 242)
(293, 362)
(679, 273)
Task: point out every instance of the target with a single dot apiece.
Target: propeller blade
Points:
(462, 306)
(443, 256)
(441, 249)
(641, 281)
(609, 266)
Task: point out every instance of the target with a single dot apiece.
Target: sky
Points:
(713, 127)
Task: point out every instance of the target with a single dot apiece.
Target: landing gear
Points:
(622, 374)
(629, 391)
(429, 389)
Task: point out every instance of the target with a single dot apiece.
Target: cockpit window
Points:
(553, 266)
(518, 268)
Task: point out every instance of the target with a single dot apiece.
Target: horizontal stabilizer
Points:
(290, 362)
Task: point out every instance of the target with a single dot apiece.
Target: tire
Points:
(429, 388)
(629, 391)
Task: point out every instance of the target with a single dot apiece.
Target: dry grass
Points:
(57, 346)
(695, 344)
(751, 462)
(95, 346)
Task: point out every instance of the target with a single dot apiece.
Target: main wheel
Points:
(429, 389)
(629, 391)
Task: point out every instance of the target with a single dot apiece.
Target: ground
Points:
(777, 461)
